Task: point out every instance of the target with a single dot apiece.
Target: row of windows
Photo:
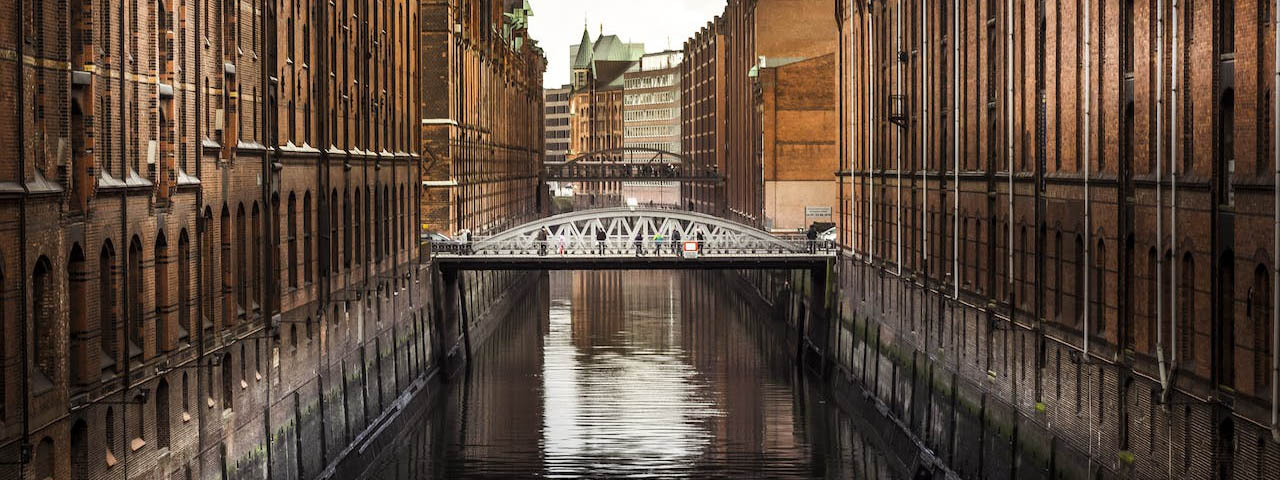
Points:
(652, 81)
(653, 131)
(556, 109)
(650, 115)
(649, 98)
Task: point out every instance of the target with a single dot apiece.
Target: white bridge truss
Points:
(577, 233)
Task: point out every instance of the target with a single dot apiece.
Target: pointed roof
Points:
(582, 55)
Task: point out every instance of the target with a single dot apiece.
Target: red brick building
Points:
(191, 285)
(482, 116)
(1009, 178)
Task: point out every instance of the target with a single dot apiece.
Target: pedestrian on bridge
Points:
(639, 244)
(657, 243)
(600, 237)
(542, 241)
(675, 243)
(699, 241)
(812, 236)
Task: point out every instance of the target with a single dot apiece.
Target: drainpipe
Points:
(1088, 112)
(924, 138)
(1008, 101)
(1173, 201)
(1160, 356)
(1275, 266)
(899, 133)
(870, 142)
(955, 139)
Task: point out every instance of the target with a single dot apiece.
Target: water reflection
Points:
(633, 374)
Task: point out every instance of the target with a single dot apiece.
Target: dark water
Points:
(635, 375)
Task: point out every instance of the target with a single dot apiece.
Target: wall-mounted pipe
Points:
(924, 137)
(955, 139)
(1173, 198)
(1160, 266)
(1008, 102)
(1088, 112)
(899, 133)
(1275, 265)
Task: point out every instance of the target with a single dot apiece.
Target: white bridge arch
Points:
(578, 233)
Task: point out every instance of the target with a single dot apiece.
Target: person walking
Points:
(657, 243)
(675, 243)
(600, 237)
(812, 236)
(542, 242)
(699, 241)
(639, 244)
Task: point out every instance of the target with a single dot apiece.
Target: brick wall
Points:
(142, 123)
(1007, 260)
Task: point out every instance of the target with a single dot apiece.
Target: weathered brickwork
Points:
(1096, 318)
(482, 116)
(191, 286)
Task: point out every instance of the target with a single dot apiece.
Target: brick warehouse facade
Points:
(197, 290)
(1107, 308)
(482, 116)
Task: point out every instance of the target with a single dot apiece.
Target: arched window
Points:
(77, 295)
(134, 294)
(254, 258)
(79, 451)
(110, 427)
(1187, 301)
(162, 414)
(44, 306)
(357, 240)
(241, 254)
(227, 400)
(1100, 289)
(386, 222)
(1078, 291)
(1260, 314)
(210, 274)
(401, 226)
(45, 457)
(293, 338)
(307, 238)
(1225, 364)
(1129, 322)
(293, 239)
(1057, 275)
(107, 307)
(163, 308)
(333, 231)
(185, 320)
(136, 421)
(1024, 259)
(346, 230)
(1225, 449)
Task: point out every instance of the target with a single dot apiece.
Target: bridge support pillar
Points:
(815, 330)
(451, 317)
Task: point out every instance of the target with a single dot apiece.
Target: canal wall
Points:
(980, 396)
(491, 296)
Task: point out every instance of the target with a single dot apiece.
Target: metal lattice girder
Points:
(578, 231)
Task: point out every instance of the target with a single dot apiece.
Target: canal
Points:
(634, 375)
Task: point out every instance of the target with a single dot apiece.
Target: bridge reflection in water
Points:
(633, 374)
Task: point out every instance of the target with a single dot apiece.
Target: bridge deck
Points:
(553, 261)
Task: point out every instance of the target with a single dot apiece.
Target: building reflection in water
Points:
(633, 374)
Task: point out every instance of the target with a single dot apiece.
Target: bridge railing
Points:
(629, 246)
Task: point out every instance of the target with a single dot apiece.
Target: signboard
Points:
(690, 249)
(817, 211)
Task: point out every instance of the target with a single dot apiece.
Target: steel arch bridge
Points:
(628, 164)
(634, 238)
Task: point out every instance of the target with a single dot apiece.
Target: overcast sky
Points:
(659, 24)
